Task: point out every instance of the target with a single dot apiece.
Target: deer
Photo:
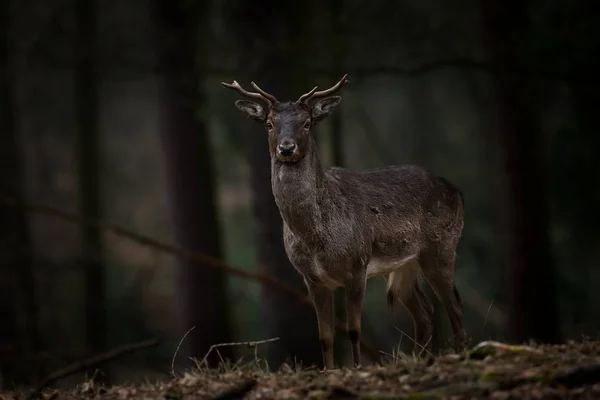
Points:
(342, 226)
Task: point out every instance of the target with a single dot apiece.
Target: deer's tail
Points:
(401, 283)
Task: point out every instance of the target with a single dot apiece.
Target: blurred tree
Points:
(273, 51)
(338, 45)
(425, 132)
(18, 303)
(571, 33)
(201, 291)
(90, 195)
(533, 292)
(338, 32)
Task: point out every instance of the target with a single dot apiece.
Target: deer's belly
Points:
(384, 266)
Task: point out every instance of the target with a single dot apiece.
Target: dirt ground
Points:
(490, 370)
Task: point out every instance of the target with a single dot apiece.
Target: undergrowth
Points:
(487, 370)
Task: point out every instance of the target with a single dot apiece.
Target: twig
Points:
(423, 348)
(199, 258)
(251, 344)
(491, 312)
(177, 351)
(385, 353)
(90, 362)
(488, 312)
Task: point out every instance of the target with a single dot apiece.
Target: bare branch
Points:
(90, 362)
(200, 258)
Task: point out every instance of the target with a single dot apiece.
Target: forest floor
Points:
(489, 370)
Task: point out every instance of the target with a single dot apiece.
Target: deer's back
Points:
(406, 207)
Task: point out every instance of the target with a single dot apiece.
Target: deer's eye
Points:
(307, 125)
(269, 125)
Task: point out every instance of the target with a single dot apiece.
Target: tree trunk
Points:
(267, 29)
(18, 303)
(533, 292)
(201, 291)
(426, 132)
(338, 31)
(575, 154)
(583, 221)
(90, 196)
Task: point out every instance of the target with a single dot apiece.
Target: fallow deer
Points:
(341, 227)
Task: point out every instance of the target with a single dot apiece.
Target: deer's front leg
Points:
(322, 299)
(355, 295)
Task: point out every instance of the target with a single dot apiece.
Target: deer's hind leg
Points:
(438, 270)
(404, 284)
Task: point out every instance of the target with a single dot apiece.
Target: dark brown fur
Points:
(341, 227)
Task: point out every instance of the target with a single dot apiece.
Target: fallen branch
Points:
(204, 259)
(90, 362)
(251, 344)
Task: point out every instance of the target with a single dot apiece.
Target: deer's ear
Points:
(324, 107)
(252, 110)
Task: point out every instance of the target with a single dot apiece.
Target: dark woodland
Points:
(140, 234)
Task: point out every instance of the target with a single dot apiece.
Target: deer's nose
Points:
(286, 148)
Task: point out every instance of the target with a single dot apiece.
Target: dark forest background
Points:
(135, 200)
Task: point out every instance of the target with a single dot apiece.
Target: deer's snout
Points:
(287, 147)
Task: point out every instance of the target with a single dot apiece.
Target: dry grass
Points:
(489, 370)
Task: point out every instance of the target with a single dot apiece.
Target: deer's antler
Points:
(313, 94)
(261, 95)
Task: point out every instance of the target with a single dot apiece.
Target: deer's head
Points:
(288, 124)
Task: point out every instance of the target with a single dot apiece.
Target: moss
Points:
(545, 377)
(427, 394)
(489, 375)
(491, 348)
(318, 394)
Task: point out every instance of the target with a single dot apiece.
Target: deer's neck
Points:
(300, 190)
